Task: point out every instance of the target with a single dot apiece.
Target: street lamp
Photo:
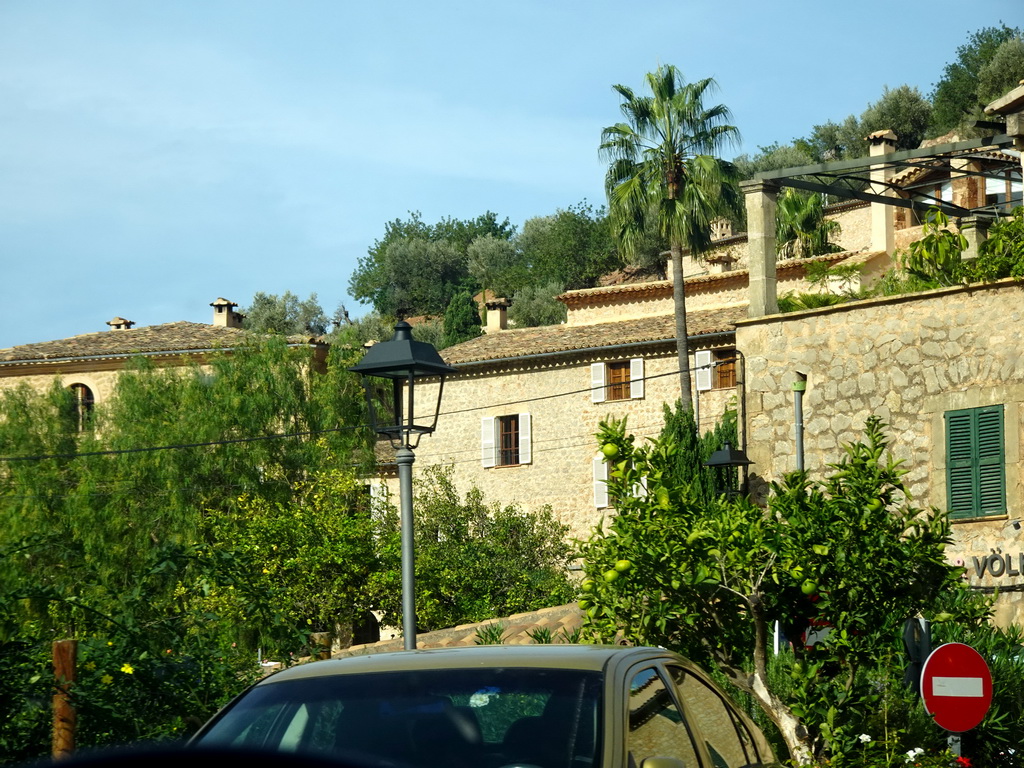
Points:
(403, 360)
(728, 457)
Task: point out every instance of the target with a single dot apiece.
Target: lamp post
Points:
(728, 457)
(402, 361)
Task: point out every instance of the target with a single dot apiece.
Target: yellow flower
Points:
(127, 669)
(110, 642)
(106, 679)
(90, 665)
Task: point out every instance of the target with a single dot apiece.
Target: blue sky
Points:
(155, 155)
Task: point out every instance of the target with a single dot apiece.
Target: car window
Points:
(727, 739)
(656, 727)
(449, 718)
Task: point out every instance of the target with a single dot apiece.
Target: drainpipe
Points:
(799, 387)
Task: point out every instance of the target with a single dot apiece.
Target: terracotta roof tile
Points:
(181, 336)
(567, 338)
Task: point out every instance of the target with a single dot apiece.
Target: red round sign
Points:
(956, 685)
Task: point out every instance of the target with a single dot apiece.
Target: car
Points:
(552, 706)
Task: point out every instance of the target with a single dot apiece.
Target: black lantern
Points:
(728, 458)
(402, 360)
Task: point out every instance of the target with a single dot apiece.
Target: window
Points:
(602, 499)
(84, 402)
(656, 727)
(728, 740)
(975, 462)
(505, 441)
(1004, 191)
(714, 369)
(619, 380)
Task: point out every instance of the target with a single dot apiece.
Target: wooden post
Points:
(65, 653)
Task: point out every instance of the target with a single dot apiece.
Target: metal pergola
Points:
(851, 179)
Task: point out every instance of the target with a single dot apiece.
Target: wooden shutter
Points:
(600, 482)
(991, 461)
(636, 378)
(488, 443)
(702, 366)
(975, 471)
(525, 440)
(598, 393)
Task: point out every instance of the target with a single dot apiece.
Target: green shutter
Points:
(975, 459)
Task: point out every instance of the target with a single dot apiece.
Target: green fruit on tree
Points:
(610, 450)
(623, 566)
(809, 587)
(584, 604)
(588, 585)
(611, 576)
(875, 505)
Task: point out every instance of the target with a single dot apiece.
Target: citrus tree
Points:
(848, 554)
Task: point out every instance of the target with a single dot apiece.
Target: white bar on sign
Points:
(966, 687)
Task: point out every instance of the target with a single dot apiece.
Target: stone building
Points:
(90, 363)
(518, 419)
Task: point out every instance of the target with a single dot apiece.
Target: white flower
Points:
(913, 753)
(864, 738)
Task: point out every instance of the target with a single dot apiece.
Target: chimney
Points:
(224, 314)
(882, 226)
(497, 315)
(120, 324)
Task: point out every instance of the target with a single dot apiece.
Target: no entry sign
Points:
(956, 685)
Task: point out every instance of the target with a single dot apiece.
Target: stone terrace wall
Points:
(908, 360)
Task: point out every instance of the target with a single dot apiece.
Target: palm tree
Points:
(662, 164)
(801, 229)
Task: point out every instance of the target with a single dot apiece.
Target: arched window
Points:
(84, 402)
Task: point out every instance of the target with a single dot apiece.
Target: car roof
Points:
(581, 657)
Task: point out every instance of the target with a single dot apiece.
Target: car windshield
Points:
(444, 717)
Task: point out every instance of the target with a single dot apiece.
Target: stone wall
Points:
(907, 360)
(855, 227)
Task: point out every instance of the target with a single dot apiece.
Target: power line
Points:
(307, 433)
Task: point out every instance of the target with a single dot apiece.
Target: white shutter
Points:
(702, 364)
(598, 392)
(525, 445)
(600, 482)
(636, 378)
(488, 442)
(640, 488)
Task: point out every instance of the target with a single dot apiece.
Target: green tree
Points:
(686, 452)
(176, 533)
(461, 320)
(663, 159)
(496, 265)
(902, 110)
(416, 267)
(774, 157)
(1003, 72)
(801, 229)
(710, 580)
(573, 247)
(835, 141)
(285, 314)
(956, 98)
(536, 304)
(1002, 253)
(475, 560)
(935, 257)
